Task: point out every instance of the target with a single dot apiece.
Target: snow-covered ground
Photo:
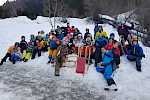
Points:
(35, 79)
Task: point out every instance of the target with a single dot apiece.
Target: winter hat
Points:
(112, 34)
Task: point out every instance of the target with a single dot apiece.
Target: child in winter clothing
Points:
(37, 49)
(59, 33)
(105, 67)
(79, 44)
(99, 44)
(116, 55)
(109, 45)
(23, 44)
(88, 46)
(100, 34)
(16, 56)
(71, 30)
(27, 54)
(135, 53)
(13, 54)
(53, 44)
(87, 34)
(44, 44)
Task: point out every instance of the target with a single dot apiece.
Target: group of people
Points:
(101, 48)
(108, 50)
(23, 50)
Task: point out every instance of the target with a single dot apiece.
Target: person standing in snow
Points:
(99, 44)
(13, 54)
(135, 53)
(106, 68)
(54, 42)
(88, 45)
(101, 33)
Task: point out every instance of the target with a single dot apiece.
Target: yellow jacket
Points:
(98, 34)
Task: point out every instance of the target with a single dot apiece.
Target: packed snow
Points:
(35, 79)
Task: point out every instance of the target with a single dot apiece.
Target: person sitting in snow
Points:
(88, 45)
(77, 31)
(37, 49)
(27, 54)
(125, 35)
(135, 53)
(106, 66)
(39, 36)
(79, 44)
(87, 34)
(13, 54)
(23, 44)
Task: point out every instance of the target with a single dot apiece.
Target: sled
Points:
(81, 62)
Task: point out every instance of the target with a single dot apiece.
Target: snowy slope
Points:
(35, 79)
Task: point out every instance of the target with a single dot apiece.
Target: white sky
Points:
(3, 1)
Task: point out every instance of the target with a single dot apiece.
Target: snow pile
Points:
(18, 81)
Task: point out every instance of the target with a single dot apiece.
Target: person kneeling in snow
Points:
(13, 54)
(135, 53)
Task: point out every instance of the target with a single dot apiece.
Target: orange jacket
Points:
(13, 49)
